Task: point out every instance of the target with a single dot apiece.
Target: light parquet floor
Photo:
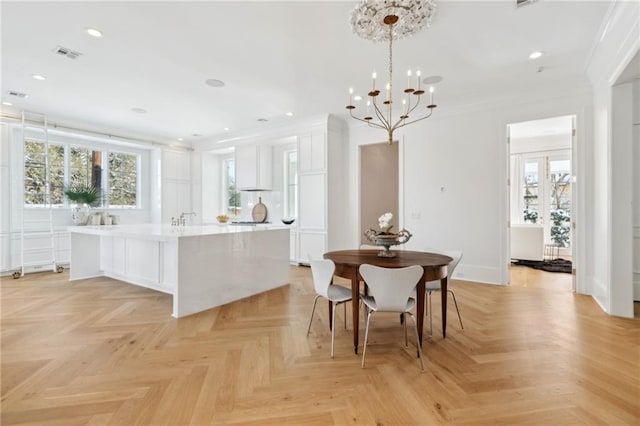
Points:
(101, 352)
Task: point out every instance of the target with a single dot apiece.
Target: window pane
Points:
(85, 168)
(56, 173)
(233, 196)
(530, 191)
(560, 202)
(35, 173)
(123, 179)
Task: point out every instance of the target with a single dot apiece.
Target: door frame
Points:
(579, 122)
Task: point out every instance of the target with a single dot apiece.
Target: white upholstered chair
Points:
(391, 290)
(432, 286)
(322, 272)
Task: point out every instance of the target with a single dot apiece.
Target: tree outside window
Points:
(85, 170)
(232, 196)
(35, 174)
(123, 179)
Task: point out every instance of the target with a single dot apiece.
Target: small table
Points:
(434, 267)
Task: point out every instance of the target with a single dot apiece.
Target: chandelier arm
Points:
(380, 116)
(416, 120)
(366, 121)
(408, 113)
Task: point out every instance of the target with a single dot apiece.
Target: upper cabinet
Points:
(254, 167)
(312, 151)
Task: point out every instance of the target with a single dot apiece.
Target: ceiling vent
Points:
(17, 94)
(520, 3)
(65, 51)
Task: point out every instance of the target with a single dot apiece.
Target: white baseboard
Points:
(478, 274)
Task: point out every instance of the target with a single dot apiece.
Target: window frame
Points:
(286, 184)
(224, 202)
(67, 141)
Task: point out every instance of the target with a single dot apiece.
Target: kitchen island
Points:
(201, 266)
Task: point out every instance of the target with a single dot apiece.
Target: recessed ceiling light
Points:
(39, 77)
(180, 139)
(226, 129)
(290, 114)
(7, 103)
(94, 33)
(214, 83)
(262, 120)
(139, 110)
(432, 79)
(536, 54)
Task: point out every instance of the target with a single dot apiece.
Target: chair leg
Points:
(366, 338)
(457, 310)
(430, 315)
(312, 312)
(333, 329)
(345, 315)
(404, 320)
(415, 327)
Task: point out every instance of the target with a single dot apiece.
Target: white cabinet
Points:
(321, 190)
(253, 167)
(312, 151)
(176, 184)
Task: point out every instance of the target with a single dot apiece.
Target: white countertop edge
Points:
(168, 232)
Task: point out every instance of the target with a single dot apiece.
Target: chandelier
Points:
(386, 20)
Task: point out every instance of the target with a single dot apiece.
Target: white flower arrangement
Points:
(384, 222)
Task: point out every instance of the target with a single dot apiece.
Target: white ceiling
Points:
(274, 57)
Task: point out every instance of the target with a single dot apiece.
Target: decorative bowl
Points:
(288, 221)
(222, 218)
(387, 240)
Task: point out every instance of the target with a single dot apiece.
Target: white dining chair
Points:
(432, 286)
(322, 272)
(390, 292)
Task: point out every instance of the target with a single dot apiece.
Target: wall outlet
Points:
(415, 215)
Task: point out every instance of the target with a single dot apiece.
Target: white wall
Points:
(454, 172)
(636, 190)
(618, 42)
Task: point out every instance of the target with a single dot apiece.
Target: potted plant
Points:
(84, 197)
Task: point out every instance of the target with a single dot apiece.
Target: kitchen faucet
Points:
(182, 221)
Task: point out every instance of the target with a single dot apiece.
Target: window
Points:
(123, 181)
(35, 174)
(115, 174)
(231, 197)
(291, 184)
(85, 168)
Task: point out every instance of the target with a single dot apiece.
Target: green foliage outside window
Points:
(123, 179)
(85, 174)
(35, 173)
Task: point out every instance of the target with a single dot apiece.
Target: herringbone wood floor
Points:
(101, 352)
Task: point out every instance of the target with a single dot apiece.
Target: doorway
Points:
(541, 197)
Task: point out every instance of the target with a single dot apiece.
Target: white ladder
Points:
(40, 225)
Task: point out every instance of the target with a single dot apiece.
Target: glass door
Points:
(558, 227)
(545, 196)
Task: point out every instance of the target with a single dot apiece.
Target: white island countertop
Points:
(159, 232)
(201, 266)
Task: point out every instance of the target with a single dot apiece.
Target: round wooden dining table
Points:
(434, 268)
